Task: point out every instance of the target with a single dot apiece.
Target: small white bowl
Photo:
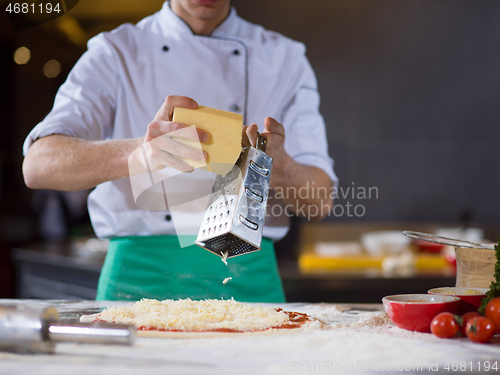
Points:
(382, 243)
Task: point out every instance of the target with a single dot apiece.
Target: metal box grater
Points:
(234, 219)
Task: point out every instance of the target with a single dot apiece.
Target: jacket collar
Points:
(169, 21)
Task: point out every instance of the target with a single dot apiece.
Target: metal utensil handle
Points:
(94, 333)
(261, 142)
(445, 240)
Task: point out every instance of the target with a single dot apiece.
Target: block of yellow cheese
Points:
(225, 129)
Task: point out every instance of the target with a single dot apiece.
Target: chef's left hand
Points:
(275, 134)
(290, 175)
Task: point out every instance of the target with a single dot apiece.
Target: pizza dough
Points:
(208, 318)
(215, 334)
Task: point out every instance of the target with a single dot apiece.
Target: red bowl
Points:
(468, 302)
(415, 312)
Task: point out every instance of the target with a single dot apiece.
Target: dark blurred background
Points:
(410, 94)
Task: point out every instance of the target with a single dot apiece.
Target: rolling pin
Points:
(28, 329)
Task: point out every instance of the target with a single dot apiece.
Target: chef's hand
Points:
(275, 148)
(161, 149)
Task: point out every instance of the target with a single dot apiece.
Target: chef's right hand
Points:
(160, 149)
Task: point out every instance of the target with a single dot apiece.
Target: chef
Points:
(121, 95)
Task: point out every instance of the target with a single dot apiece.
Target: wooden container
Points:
(475, 267)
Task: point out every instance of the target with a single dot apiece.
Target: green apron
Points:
(157, 267)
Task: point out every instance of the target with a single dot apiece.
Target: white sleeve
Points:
(84, 106)
(305, 136)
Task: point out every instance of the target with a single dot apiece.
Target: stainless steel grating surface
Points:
(229, 243)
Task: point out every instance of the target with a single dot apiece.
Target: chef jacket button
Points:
(168, 217)
(236, 52)
(235, 107)
(165, 48)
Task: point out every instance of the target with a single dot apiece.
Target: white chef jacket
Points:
(118, 85)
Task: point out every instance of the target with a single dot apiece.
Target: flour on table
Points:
(326, 313)
(363, 321)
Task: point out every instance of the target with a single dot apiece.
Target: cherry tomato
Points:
(444, 325)
(480, 329)
(465, 318)
(492, 312)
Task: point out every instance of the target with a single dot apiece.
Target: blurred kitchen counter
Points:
(352, 231)
(315, 278)
(64, 271)
(55, 270)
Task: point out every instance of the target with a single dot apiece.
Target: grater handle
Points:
(261, 142)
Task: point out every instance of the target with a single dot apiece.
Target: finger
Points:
(166, 110)
(158, 159)
(181, 130)
(251, 132)
(168, 160)
(273, 126)
(177, 129)
(172, 146)
(245, 142)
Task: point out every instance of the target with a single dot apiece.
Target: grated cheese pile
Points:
(188, 315)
